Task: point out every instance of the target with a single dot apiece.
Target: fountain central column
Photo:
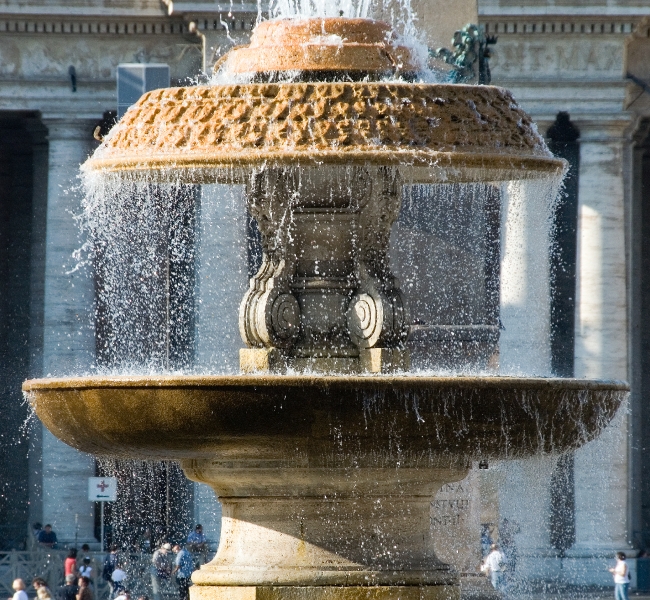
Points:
(324, 298)
(311, 533)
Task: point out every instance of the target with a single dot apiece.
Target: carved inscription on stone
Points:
(583, 58)
(448, 513)
(455, 516)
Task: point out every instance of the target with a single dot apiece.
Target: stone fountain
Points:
(325, 452)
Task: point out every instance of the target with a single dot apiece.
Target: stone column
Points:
(524, 346)
(221, 277)
(37, 287)
(524, 500)
(68, 337)
(524, 350)
(601, 336)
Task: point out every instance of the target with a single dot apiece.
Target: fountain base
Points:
(325, 482)
(429, 592)
(304, 532)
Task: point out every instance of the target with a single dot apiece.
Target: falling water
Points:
(173, 261)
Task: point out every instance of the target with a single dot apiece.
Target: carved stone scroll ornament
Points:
(320, 232)
(269, 315)
(377, 315)
(377, 319)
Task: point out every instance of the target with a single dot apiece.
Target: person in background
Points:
(198, 543)
(183, 567)
(144, 543)
(85, 551)
(70, 564)
(33, 540)
(507, 532)
(110, 564)
(86, 569)
(118, 578)
(70, 590)
(494, 566)
(85, 593)
(622, 578)
(42, 591)
(47, 537)
(160, 570)
(486, 539)
(19, 588)
(196, 540)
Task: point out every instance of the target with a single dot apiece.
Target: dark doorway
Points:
(563, 138)
(144, 321)
(563, 142)
(22, 206)
(154, 505)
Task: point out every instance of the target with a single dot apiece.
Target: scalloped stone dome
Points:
(432, 132)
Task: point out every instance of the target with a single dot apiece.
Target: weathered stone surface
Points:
(68, 340)
(429, 592)
(382, 123)
(336, 527)
(324, 289)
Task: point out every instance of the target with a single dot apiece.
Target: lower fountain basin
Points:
(324, 420)
(325, 482)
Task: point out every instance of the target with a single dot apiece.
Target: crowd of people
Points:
(499, 564)
(168, 562)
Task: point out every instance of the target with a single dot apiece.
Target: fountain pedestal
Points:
(317, 533)
(324, 298)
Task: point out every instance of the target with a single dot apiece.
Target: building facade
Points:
(589, 60)
(581, 70)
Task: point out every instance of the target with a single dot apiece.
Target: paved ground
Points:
(570, 593)
(579, 594)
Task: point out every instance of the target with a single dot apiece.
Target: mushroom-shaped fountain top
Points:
(343, 102)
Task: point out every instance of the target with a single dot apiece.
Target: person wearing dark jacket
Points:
(68, 591)
(110, 564)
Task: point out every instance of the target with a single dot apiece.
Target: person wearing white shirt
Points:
(621, 574)
(495, 565)
(118, 577)
(19, 587)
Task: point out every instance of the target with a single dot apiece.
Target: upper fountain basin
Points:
(431, 132)
(324, 420)
(337, 108)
